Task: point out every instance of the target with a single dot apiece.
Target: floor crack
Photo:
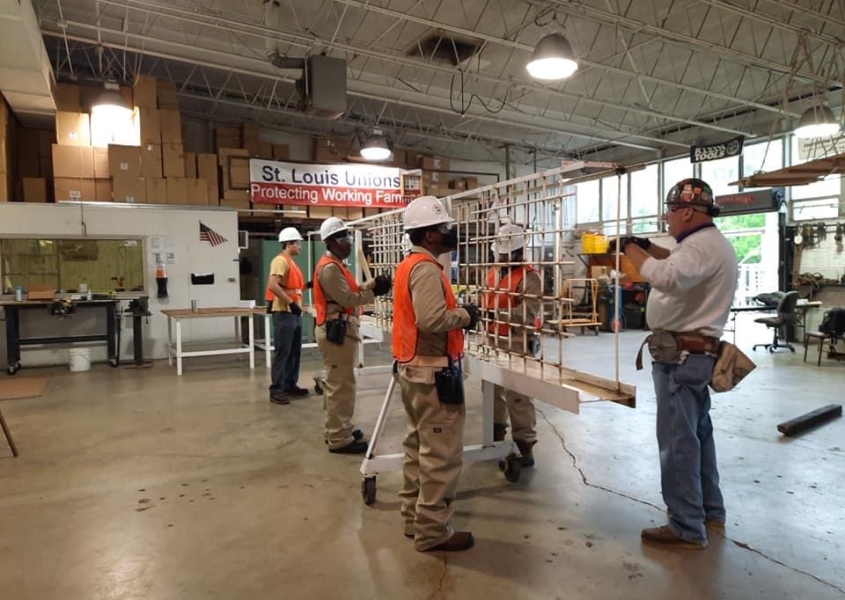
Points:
(737, 543)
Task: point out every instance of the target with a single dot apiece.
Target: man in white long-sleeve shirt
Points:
(692, 289)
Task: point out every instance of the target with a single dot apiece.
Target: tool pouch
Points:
(336, 331)
(449, 383)
(663, 347)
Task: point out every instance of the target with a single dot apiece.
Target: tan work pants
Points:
(520, 408)
(434, 442)
(339, 386)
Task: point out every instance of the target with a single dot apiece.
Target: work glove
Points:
(643, 243)
(295, 309)
(382, 285)
(473, 312)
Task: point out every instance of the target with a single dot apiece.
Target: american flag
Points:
(207, 234)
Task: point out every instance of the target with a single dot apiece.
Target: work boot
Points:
(277, 397)
(354, 447)
(460, 540)
(296, 391)
(356, 435)
(664, 536)
(526, 453)
(499, 431)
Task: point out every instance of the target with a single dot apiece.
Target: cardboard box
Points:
(234, 165)
(73, 129)
(596, 272)
(324, 212)
(249, 132)
(67, 97)
(124, 161)
(236, 195)
(207, 167)
(213, 193)
(73, 162)
(458, 185)
(103, 190)
(74, 189)
(227, 137)
(177, 190)
(166, 94)
(150, 124)
(331, 150)
(171, 126)
(101, 163)
(471, 183)
(240, 204)
(34, 189)
(259, 149)
(129, 189)
(281, 152)
(354, 213)
(434, 163)
(145, 92)
(151, 161)
(156, 190)
(191, 165)
(173, 160)
(197, 193)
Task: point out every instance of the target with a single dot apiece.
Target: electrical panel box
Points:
(326, 92)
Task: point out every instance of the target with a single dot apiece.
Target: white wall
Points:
(179, 226)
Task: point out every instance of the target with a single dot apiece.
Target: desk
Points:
(13, 329)
(800, 308)
(174, 346)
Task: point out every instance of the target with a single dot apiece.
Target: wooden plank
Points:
(811, 419)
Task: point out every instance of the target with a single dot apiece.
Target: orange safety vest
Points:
(321, 305)
(498, 301)
(294, 284)
(405, 332)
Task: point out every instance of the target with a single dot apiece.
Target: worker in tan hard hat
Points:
(428, 348)
(513, 307)
(337, 297)
(284, 297)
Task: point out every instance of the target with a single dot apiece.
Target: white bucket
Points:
(80, 359)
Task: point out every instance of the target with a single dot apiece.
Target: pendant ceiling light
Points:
(552, 59)
(110, 101)
(376, 147)
(817, 121)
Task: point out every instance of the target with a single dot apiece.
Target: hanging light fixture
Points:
(552, 59)
(817, 121)
(112, 118)
(376, 147)
(111, 102)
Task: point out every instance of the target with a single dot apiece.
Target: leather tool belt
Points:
(668, 346)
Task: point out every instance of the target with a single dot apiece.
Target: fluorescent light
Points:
(552, 59)
(376, 148)
(817, 121)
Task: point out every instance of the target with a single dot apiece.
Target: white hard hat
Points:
(510, 238)
(425, 211)
(290, 234)
(331, 226)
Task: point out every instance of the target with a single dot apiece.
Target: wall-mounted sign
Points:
(758, 201)
(731, 147)
(274, 182)
(813, 148)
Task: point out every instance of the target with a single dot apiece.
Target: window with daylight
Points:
(645, 199)
(610, 196)
(674, 171)
(720, 173)
(762, 158)
(588, 202)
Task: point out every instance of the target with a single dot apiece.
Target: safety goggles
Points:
(445, 228)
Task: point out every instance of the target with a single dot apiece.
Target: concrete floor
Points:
(139, 484)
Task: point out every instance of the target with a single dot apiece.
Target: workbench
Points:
(14, 341)
(175, 346)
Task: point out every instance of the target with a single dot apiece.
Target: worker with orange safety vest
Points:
(284, 296)
(512, 304)
(428, 348)
(337, 297)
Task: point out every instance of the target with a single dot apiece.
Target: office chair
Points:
(787, 315)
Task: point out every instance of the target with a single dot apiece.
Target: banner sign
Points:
(732, 147)
(273, 182)
(746, 203)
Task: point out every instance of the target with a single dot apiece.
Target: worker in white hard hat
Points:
(337, 297)
(284, 295)
(513, 307)
(428, 348)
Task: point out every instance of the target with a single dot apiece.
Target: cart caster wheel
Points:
(114, 363)
(511, 467)
(368, 490)
(318, 386)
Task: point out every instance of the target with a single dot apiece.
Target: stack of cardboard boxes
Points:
(6, 134)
